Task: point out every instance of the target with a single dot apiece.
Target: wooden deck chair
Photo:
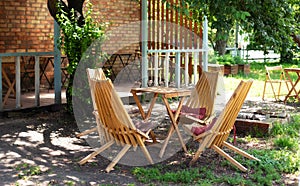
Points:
(215, 134)
(117, 124)
(96, 74)
(200, 106)
(275, 77)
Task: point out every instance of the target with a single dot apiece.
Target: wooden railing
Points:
(173, 39)
(16, 85)
(182, 75)
(169, 28)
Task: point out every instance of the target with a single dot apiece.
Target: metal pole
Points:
(1, 103)
(57, 67)
(37, 80)
(18, 83)
(205, 44)
(144, 31)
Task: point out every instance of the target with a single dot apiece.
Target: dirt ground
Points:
(45, 138)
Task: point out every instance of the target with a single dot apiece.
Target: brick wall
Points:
(122, 15)
(123, 33)
(26, 25)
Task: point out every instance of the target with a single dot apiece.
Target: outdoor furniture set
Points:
(115, 126)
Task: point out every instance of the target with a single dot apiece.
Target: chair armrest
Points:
(144, 134)
(206, 121)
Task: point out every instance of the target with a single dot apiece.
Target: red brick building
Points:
(26, 25)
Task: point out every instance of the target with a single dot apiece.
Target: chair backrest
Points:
(205, 92)
(96, 74)
(275, 73)
(224, 124)
(113, 115)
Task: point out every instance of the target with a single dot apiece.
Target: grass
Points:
(258, 75)
(25, 171)
(280, 158)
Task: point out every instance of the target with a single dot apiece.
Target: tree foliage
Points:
(270, 23)
(79, 31)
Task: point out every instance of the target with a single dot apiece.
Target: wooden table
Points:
(294, 84)
(165, 93)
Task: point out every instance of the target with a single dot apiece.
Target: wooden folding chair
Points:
(202, 99)
(117, 124)
(275, 77)
(96, 74)
(215, 134)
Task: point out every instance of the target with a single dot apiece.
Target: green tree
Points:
(271, 23)
(79, 31)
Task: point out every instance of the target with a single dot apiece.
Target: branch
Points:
(75, 4)
(51, 4)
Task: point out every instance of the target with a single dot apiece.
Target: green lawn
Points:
(279, 152)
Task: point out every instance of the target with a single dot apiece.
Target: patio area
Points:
(28, 99)
(46, 140)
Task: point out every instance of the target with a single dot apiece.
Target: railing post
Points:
(177, 70)
(144, 43)
(37, 80)
(196, 58)
(166, 65)
(205, 44)
(18, 83)
(186, 69)
(156, 69)
(57, 65)
(1, 101)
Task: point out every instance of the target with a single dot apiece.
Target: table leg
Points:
(138, 103)
(174, 126)
(151, 105)
(297, 93)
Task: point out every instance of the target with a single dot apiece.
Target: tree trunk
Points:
(296, 38)
(221, 43)
(72, 4)
(79, 18)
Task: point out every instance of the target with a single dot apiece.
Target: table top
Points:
(164, 91)
(292, 69)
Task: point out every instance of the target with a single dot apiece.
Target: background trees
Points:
(271, 24)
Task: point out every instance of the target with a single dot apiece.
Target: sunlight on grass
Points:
(258, 75)
(256, 90)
